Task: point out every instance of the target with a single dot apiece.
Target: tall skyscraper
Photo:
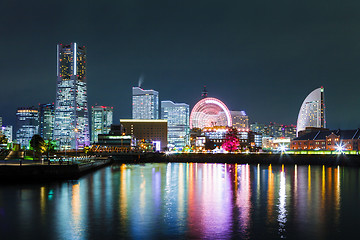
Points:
(71, 127)
(145, 104)
(27, 125)
(177, 115)
(312, 111)
(101, 120)
(46, 120)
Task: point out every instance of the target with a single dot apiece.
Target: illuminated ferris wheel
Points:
(210, 112)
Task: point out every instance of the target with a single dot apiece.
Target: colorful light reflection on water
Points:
(187, 200)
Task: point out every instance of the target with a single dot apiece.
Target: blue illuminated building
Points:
(177, 115)
(46, 120)
(27, 125)
(101, 120)
(71, 127)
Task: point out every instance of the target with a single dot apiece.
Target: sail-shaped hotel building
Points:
(312, 111)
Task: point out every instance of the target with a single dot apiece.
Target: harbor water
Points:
(187, 200)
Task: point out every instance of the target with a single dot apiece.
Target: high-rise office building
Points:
(1, 128)
(46, 120)
(260, 128)
(27, 125)
(145, 104)
(177, 115)
(289, 131)
(312, 111)
(240, 120)
(274, 130)
(101, 120)
(71, 126)
(8, 132)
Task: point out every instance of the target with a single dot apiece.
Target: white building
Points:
(177, 115)
(145, 104)
(312, 111)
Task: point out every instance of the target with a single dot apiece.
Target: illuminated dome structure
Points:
(209, 112)
(312, 111)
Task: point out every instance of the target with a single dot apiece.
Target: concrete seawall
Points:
(300, 159)
(29, 172)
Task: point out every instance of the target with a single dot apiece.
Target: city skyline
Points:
(179, 48)
(204, 119)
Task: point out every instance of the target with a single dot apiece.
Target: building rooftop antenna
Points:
(204, 93)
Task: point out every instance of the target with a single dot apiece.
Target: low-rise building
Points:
(270, 143)
(115, 140)
(248, 140)
(328, 140)
(151, 130)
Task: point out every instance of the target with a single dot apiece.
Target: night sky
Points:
(263, 57)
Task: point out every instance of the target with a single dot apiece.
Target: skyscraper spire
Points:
(204, 93)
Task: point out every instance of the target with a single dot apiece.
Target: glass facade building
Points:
(101, 120)
(8, 132)
(27, 125)
(177, 115)
(312, 111)
(71, 126)
(46, 120)
(145, 104)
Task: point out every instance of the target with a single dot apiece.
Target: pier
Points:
(27, 171)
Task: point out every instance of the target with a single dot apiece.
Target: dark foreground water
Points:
(178, 200)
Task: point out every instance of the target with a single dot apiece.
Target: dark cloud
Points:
(263, 57)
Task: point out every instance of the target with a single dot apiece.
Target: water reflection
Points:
(270, 196)
(282, 204)
(243, 199)
(186, 200)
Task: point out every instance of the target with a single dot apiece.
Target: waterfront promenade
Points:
(68, 170)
